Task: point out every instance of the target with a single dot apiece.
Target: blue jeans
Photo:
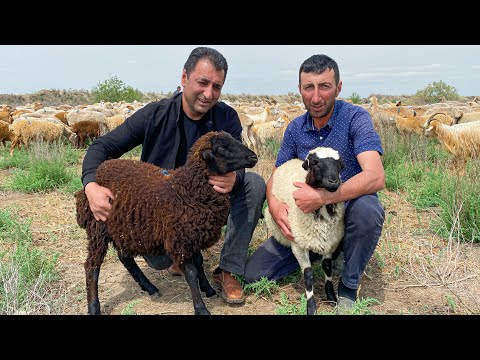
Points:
(364, 219)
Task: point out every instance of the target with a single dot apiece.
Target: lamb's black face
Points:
(323, 170)
(228, 154)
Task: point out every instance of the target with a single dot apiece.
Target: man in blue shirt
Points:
(348, 129)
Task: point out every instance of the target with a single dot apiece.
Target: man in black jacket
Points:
(166, 130)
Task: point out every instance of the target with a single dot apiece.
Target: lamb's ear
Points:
(342, 164)
(305, 164)
(207, 154)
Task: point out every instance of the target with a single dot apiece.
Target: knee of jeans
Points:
(368, 211)
(255, 181)
(256, 186)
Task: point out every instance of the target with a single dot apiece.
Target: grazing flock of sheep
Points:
(455, 125)
(32, 122)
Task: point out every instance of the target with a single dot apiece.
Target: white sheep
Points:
(320, 231)
(258, 133)
(74, 116)
(462, 140)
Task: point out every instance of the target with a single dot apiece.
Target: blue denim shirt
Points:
(349, 131)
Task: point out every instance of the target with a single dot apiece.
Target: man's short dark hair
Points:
(317, 64)
(217, 59)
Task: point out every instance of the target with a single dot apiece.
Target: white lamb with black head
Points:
(320, 231)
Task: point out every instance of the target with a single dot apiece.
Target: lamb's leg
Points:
(302, 256)
(202, 279)
(327, 269)
(97, 248)
(191, 275)
(138, 275)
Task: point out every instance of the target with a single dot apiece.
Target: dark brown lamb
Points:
(154, 213)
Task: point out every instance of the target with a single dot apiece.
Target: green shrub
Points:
(355, 98)
(45, 167)
(113, 89)
(437, 91)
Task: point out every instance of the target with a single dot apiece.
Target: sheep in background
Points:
(462, 140)
(86, 129)
(6, 114)
(258, 133)
(408, 125)
(446, 109)
(320, 231)
(415, 124)
(61, 115)
(24, 131)
(113, 121)
(74, 116)
(469, 117)
(177, 214)
(268, 114)
(5, 133)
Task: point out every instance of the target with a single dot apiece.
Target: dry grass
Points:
(413, 270)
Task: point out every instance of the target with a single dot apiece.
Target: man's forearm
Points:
(363, 183)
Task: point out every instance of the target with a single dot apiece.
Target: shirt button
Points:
(321, 137)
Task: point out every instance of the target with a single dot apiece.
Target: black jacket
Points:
(155, 127)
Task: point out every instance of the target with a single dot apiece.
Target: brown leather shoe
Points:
(175, 270)
(232, 291)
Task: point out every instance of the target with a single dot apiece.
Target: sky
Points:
(253, 69)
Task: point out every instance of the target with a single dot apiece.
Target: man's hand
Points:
(223, 183)
(99, 199)
(307, 198)
(279, 212)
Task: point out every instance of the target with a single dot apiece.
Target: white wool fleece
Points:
(321, 234)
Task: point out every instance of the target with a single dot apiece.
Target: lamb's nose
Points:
(332, 179)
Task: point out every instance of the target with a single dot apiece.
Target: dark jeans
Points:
(246, 208)
(364, 218)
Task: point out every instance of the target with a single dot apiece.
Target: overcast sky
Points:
(253, 69)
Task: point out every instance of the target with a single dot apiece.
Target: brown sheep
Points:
(6, 116)
(5, 133)
(26, 130)
(86, 129)
(62, 116)
(159, 212)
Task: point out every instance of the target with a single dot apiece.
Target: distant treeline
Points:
(55, 97)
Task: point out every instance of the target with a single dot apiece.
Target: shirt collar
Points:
(308, 121)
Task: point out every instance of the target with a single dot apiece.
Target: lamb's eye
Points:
(222, 150)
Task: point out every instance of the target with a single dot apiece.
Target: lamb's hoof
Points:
(94, 308)
(311, 307)
(203, 311)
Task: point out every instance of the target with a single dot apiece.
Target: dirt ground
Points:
(412, 271)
